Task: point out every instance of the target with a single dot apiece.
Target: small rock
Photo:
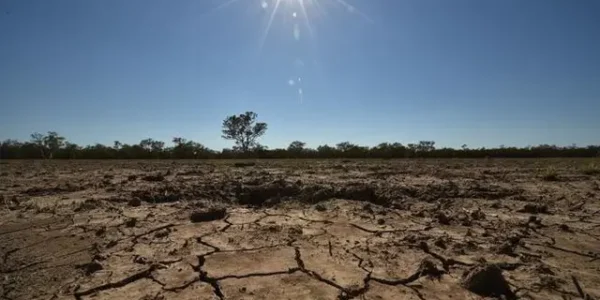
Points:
(131, 222)
(487, 280)
(464, 220)
(134, 202)
(162, 233)
(99, 257)
(506, 248)
(543, 269)
(208, 215)
(496, 205)
(443, 218)
(534, 220)
(91, 268)
(565, 227)
(428, 268)
(419, 214)
(440, 243)
(295, 230)
(101, 231)
(477, 215)
(423, 245)
(140, 260)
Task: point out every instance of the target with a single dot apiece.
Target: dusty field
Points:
(445, 229)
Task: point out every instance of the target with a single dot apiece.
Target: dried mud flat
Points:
(299, 229)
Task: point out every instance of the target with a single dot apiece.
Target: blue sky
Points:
(475, 72)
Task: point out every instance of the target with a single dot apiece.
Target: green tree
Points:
(244, 130)
(38, 140)
(296, 148)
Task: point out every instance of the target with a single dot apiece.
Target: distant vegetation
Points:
(244, 131)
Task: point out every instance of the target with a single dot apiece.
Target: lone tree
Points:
(296, 147)
(244, 130)
(48, 144)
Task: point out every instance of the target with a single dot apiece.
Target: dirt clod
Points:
(154, 177)
(90, 268)
(134, 202)
(477, 215)
(244, 164)
(428, 268)
(533, 208)
(487, 280)
(162, 233)
(565, 227)
(442, 218)
(131, 222)
(208, 215)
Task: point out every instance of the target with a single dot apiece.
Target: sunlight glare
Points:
(352, 9)
(266, 33)
(303, 8)
(296, 32)
(224, 4)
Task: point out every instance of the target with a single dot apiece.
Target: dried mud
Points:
(299, 229)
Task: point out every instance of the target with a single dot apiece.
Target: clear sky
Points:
(475, 72)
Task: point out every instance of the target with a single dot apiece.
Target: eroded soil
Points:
(406, 229)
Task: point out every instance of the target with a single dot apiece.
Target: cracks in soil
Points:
(147, 273)
(495, 235)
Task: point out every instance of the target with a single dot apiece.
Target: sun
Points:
(304, 14)
(303, 9)
(307, 10)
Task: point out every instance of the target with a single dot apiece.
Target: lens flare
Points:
(285, 11)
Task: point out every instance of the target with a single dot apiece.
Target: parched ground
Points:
(300, 229)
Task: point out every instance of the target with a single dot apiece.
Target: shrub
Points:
(591, 169)
(550, 175)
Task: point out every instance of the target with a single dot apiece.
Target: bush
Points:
(550, 175)
(591, 169)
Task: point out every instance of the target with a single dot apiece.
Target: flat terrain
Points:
(300, 229)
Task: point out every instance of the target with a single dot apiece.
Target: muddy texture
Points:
(299, 229)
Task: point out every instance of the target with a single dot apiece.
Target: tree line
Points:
(245, 131)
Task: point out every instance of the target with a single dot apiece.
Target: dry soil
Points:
(300, 229)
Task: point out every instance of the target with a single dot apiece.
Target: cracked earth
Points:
(395, 229)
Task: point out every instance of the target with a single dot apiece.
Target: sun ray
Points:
(224, 4)
(266, 33)
(306, 19)
(317, 6)
(353, 9)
